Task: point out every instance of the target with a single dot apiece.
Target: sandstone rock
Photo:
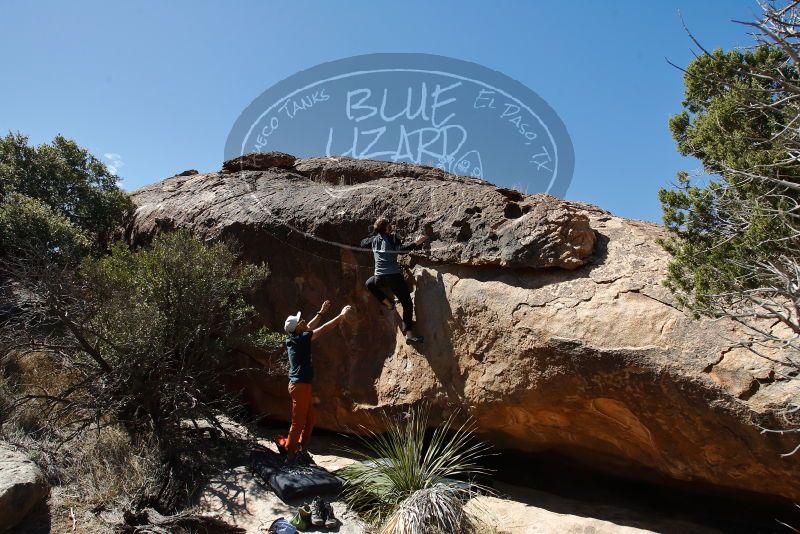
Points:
(525, 511)
(468, 220)
(259, 161)
(22, 487)
(349, 171)
(544, 319)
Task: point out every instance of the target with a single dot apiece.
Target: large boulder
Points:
(544, 319)
(22, 487)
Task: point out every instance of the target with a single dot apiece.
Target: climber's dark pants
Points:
(397, 285)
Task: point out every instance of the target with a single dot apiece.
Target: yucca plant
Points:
(409, 482)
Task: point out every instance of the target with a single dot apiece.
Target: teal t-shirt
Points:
(299, 348)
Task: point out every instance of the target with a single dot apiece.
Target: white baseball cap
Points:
(291, 323)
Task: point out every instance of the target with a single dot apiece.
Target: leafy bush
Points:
(161, 323)
(113, 361)
(58, 203)
(410, 483)
(65, 178)
(29, 228)
(139, 338)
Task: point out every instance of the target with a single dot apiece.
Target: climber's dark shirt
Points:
(385, 249)
(299, 348)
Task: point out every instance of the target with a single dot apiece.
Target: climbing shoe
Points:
(280, 444)
(414, 339)
(318, 512)
(330, 520)
(303, 458)
(302, 519)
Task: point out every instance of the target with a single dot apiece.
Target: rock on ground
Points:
(545, 320)
(22, 487)
(524, 511)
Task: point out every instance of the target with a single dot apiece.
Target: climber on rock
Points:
(386, 248)
(301, 373)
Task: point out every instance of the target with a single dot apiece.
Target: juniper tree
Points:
(735, 229)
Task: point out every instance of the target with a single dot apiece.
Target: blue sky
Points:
(157, 86)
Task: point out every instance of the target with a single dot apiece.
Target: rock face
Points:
(22, 487)
(544, 319)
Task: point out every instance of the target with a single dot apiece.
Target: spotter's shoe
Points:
(330, 520)
(318, 512)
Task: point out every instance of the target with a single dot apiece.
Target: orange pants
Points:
(303, 417)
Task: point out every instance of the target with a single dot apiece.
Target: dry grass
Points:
(104, 469)
(101, 469)
(438, 509)
(104, 472)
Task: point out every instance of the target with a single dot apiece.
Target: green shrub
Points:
(31, 231)
(67, 179)
(137, 340)
(409, 483)
(738, 110)
(164, 320)
(143, 335)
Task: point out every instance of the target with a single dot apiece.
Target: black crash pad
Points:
(292, 481)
